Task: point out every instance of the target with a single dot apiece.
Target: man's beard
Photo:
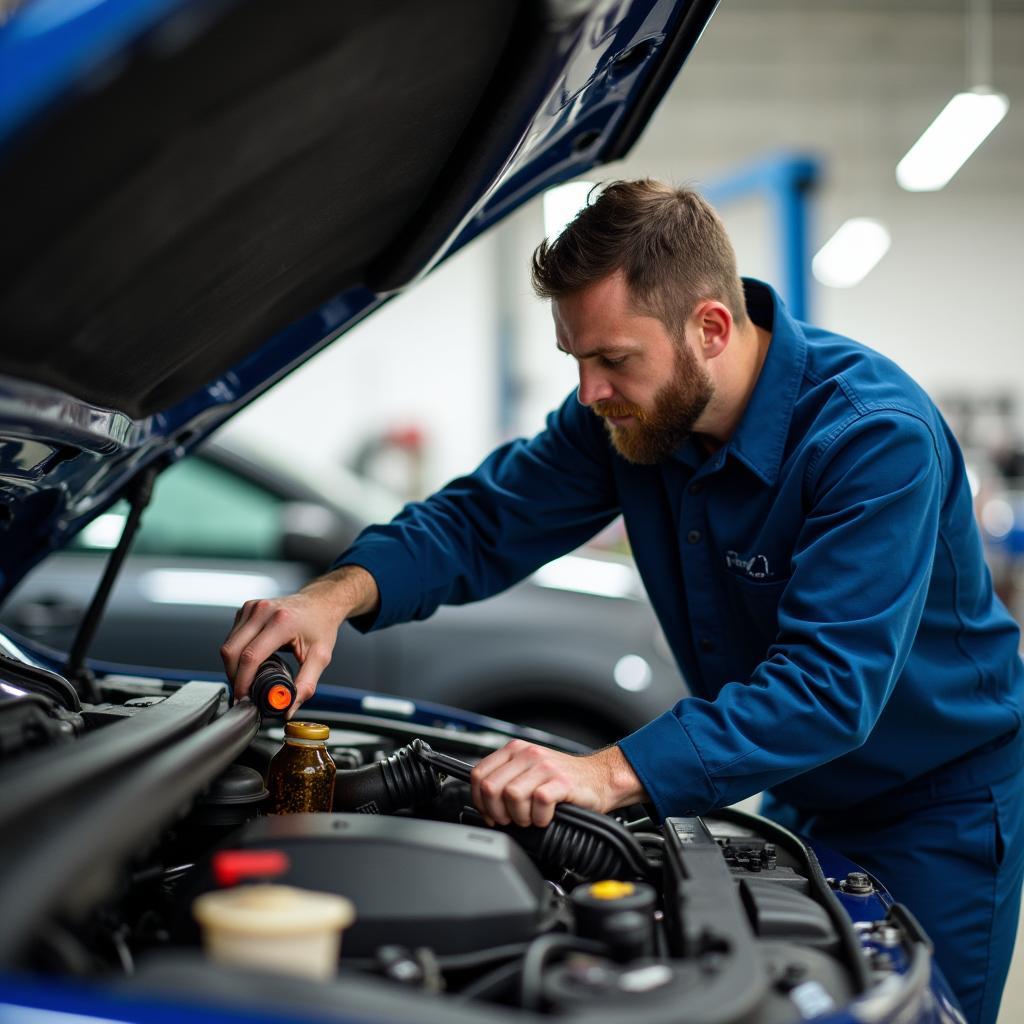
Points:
(656, 434)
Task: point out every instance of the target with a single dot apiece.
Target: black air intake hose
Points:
(591, 856)
(584, 842)
(564, 846)
(384, 787)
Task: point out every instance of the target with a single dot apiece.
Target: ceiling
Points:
(856, 81)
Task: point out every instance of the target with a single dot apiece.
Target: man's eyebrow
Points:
(600, 350)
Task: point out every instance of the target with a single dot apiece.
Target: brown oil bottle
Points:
(301, 773)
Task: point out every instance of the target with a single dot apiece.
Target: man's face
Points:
(647, 386)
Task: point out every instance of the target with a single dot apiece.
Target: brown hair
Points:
(669, 242)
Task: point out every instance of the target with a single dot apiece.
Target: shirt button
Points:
(693, 537)
(707, 645)
(696, 488)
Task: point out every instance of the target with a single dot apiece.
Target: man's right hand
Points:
(306, 622)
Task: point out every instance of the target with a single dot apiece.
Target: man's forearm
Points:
(623, 785)
(349, 590)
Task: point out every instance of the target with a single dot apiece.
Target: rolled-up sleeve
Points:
(530, 501)
(847, 619)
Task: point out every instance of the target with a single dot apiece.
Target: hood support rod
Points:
(76, 670)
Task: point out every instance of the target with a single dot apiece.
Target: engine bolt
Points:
(858, 884)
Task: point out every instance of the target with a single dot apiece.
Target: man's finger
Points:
(276, 631)
(545, 799)
(481, 770)
(242, 633)
(312, 667)
(485, 767)
(243, 613)
(493, 785)
(519, 793)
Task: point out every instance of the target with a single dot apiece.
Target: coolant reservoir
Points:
(274, 927)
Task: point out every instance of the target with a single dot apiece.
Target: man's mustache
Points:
(617, 409)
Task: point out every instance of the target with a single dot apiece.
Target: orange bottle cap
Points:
(279, 697)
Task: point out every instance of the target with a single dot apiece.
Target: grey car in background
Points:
(575, 649)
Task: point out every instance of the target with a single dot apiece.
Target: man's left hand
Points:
(522, 783)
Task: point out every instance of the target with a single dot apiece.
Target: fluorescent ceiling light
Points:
(851, 253)
(562, 203)
(950, 139)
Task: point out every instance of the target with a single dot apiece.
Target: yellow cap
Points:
(610, 889)
(306, 730)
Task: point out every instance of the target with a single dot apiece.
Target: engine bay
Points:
(114, 818)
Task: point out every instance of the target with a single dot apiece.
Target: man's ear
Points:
(714, 327)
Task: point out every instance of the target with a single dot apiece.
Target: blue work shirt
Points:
(820, 578)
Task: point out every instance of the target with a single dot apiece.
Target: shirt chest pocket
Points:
(755, 609)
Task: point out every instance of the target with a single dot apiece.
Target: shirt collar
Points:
(759, 440)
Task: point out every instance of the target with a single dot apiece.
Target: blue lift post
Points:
(786, 180)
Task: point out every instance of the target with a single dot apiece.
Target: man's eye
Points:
(608, 361)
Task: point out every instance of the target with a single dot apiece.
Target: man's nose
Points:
(594, 386)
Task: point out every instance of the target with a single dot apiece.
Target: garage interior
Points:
(467, 357)
(796, 118)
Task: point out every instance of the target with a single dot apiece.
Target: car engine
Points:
(124, 808)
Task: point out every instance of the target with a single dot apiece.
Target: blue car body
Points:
(608, 60)
(595, 74)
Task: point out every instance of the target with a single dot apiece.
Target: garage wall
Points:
(427, 360)
(856, 84)
(854, 81)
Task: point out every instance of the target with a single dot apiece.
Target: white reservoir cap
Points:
(274, 927)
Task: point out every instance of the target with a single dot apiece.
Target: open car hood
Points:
(200, 195)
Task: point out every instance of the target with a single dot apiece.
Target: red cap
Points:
(233, 866)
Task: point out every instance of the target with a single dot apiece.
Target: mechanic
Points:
(802, 520)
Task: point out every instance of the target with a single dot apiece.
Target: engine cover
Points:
(414, 883)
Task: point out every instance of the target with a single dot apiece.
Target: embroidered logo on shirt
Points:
(756, 568)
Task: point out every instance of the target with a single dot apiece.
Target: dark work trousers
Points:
(950, 846)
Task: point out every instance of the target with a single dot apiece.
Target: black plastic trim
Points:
(704, 915)
(854, 958)
(37, 782)
(69, 866)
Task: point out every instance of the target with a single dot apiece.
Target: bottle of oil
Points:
(301, 774)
